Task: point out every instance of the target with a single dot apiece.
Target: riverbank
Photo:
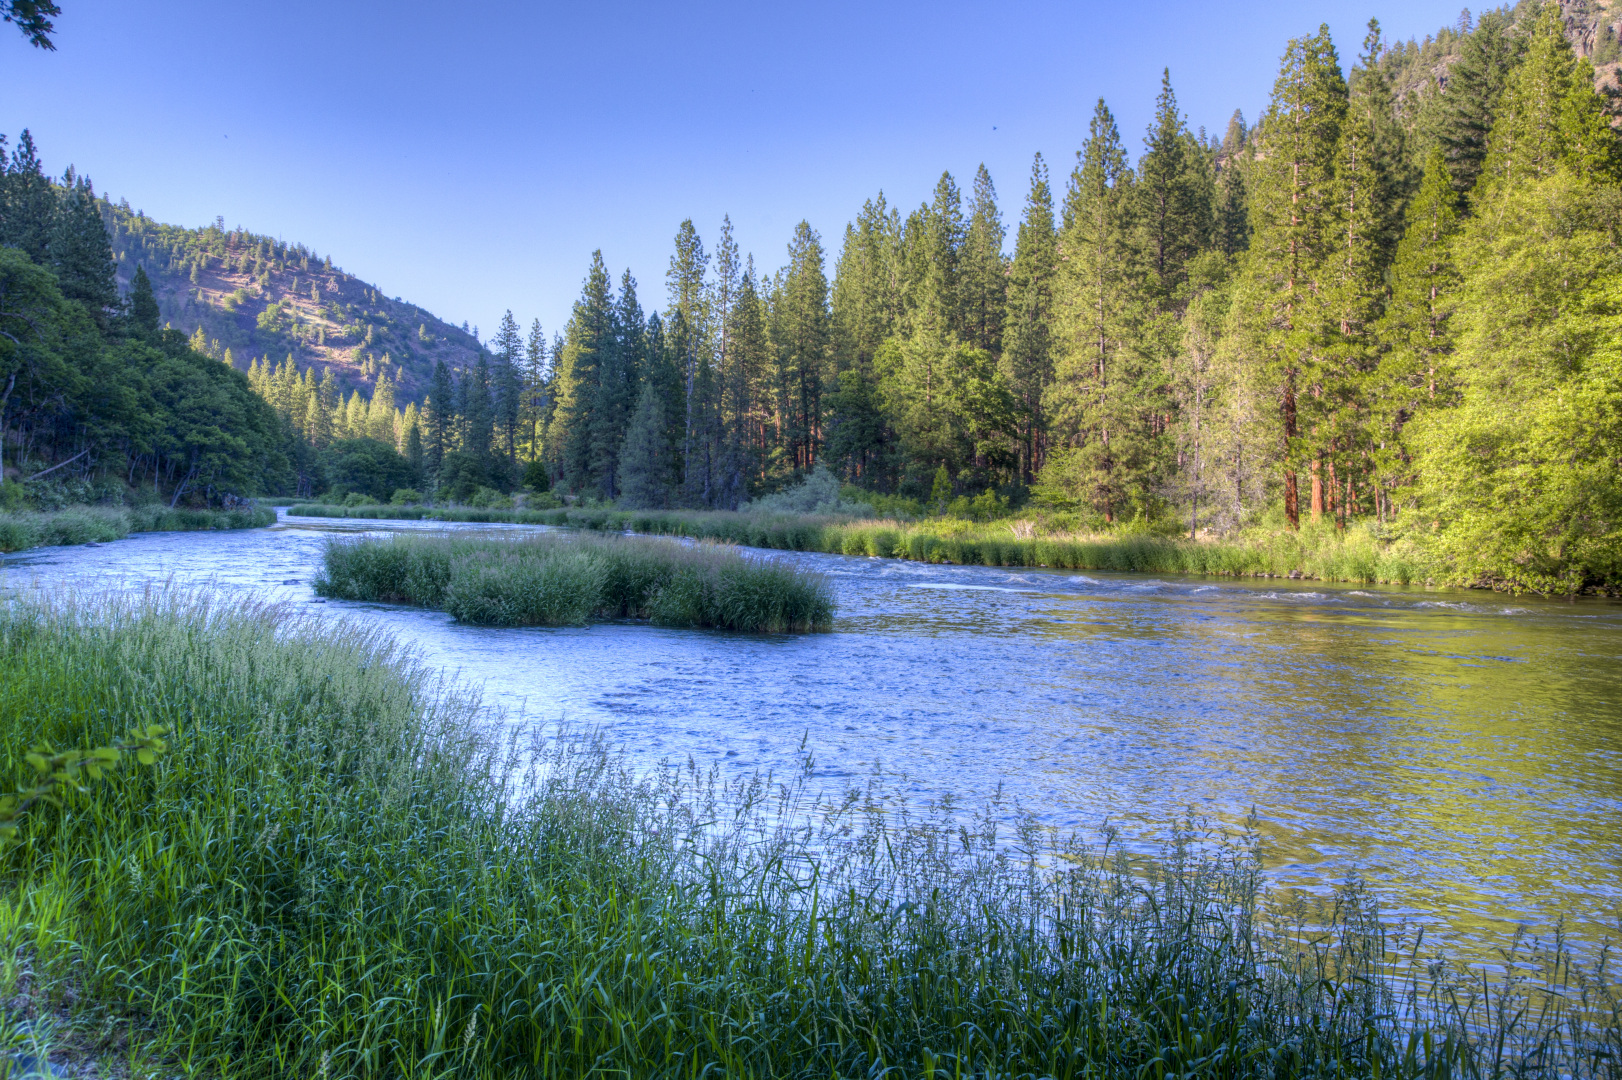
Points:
(1314, 553)
(20, 530)
(340, 869)
(550, 580)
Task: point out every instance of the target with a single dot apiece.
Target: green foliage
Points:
(367, 466)
(405, 497)
(59, 773)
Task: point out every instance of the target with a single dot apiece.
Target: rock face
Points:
(262, 298)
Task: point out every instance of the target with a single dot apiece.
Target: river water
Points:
(1462, 751)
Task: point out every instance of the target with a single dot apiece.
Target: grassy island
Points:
(553, 580)
(337, 871)
(23, 529)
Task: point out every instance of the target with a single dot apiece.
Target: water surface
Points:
(1460, 750)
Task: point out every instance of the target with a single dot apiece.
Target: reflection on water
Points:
(1462, 751)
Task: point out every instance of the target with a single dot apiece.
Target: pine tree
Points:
(933, 251)
(507, 387)
(440, 419)
(80, 252)
(689, 336)
(642, 456)
(749, 353)
(1293, 216)
(1549, 117)
(144, 313)
(537, 377)
(1174, 195)
(866, 300)
(1088, 403)
(29, 213)
(618, 374)
(983, 280)
(1417, 323)
(801, 332)
(1232, 213)
(1460, 119)
(590, 336)
(1027, 359)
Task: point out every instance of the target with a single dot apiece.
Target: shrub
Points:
(405, 497)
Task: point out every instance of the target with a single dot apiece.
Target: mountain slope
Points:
(260, 297)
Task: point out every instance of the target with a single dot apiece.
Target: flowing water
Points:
(1462, 751)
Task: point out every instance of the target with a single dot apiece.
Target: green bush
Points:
(405, 497)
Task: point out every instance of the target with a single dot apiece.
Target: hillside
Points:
(1594, 28)
(260, 297)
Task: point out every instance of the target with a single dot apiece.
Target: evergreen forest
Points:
(1392, 304)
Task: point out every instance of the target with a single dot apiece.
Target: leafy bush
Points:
(367, 466)
(817, 493)
(405, 497)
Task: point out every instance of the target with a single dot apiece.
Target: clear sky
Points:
(468, 157)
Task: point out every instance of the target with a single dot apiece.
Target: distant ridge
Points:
(261, 297)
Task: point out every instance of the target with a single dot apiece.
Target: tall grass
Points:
(555, 580)
(24, 529)
(338, 872)
(1316, 552)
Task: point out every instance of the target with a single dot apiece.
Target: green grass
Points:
(337, 871)
(24, 529)
(553, 580)
(1315, 552)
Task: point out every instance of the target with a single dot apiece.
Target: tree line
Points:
(1377, 306)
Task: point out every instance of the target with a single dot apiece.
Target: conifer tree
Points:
(507, 387)
(801, 333)
(30, 205)
(1232, 212)
(1174, 196)
(642, 456)
(866, 300)
(1549, 117)
(688, 336)
(144, 313)
(1417, 324)
(536, 391)
(1460, 119)
(934, 243)
(80, 252)
(1089, 402)
(440, 420)
(590, 337)
(1293, 214)
(1027, 359)
(983, 276)
(750, 359)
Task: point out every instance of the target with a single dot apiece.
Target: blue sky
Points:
(469, 157)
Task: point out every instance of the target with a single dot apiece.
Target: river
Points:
(1462, 751)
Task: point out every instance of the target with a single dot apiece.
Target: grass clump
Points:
(23, 529)
(1316, 552)
(552, 580)
(337, 872)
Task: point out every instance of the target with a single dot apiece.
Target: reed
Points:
(339, 871)
(1315, 552)
(24, 529)
(565, 580)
